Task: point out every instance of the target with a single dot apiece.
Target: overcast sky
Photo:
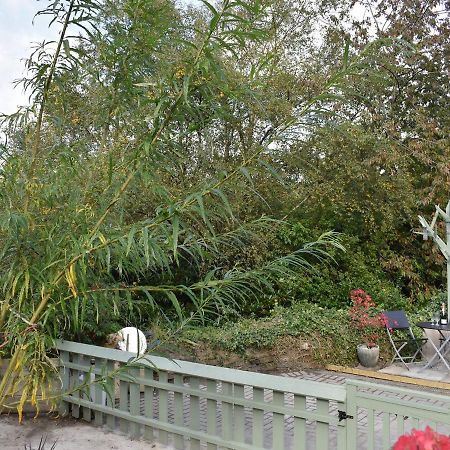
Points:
(17, 33)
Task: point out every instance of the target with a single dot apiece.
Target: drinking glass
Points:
(436, 317)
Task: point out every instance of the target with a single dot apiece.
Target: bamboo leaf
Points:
(175, 234)
(145, 239)
(67, 47)
(271, 170)
(210, 7)
(175, 303)
(346, 53)
(130, 240)
(186, 82)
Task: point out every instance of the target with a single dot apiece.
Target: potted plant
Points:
(368, 321)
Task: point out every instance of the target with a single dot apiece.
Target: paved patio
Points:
(417, 370)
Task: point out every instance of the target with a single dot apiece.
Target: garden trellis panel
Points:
(430, 231)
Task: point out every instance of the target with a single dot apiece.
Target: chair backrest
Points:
(396, 320)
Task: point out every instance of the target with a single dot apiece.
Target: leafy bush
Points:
(329, 331)
(332, 338)
(329, 286)
(362, 265)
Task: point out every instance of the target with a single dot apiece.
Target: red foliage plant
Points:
(422, 440)
(365, 317)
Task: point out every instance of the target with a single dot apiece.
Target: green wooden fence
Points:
(381, 413)
(195, 406)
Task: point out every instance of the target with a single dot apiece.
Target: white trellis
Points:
(430, 231)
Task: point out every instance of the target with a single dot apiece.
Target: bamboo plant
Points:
(68, 240)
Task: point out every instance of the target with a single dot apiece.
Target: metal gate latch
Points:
(342, 415)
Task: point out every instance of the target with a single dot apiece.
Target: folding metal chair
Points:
(397, 321)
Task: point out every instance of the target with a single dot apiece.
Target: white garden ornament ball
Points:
(132, 340)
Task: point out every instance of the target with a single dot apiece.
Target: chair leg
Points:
(399, 356)
(419, 346)
(418, 351)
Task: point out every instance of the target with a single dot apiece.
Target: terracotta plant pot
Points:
(368, 356)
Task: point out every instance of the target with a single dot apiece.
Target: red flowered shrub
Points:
(422, 440)
(365, 317)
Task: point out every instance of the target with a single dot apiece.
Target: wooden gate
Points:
(378, 414)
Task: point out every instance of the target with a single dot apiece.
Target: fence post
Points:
(352, 410)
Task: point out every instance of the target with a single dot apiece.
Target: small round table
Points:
(444, 347)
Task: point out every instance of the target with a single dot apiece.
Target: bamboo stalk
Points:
(48, 83)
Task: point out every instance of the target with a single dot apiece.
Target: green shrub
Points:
(358, 267)
(332, 338)
(329, 331)
(97, 320)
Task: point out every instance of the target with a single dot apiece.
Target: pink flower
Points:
(422, 440)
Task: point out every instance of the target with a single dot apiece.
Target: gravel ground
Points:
(68, 434)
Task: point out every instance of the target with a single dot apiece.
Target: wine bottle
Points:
(443, 319)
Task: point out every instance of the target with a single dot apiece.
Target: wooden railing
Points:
(189, 405)
(195, 406)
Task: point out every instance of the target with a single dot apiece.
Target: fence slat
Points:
(211, 407)
(194, 402)
(322, 429)
(111, 395)
(227, 413)
(124, 388)
(178, 405)
(400, 424)
(278, 421)
(352, 410)
(88, 390)
(74, 383)
(148, 404)
(99, 393)
(239, 414)
(135, 404)
(163, 407)
(299, 423)
(370, 429)
(341, 430)
(64, 374)
(386, 431)
(258, 419)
